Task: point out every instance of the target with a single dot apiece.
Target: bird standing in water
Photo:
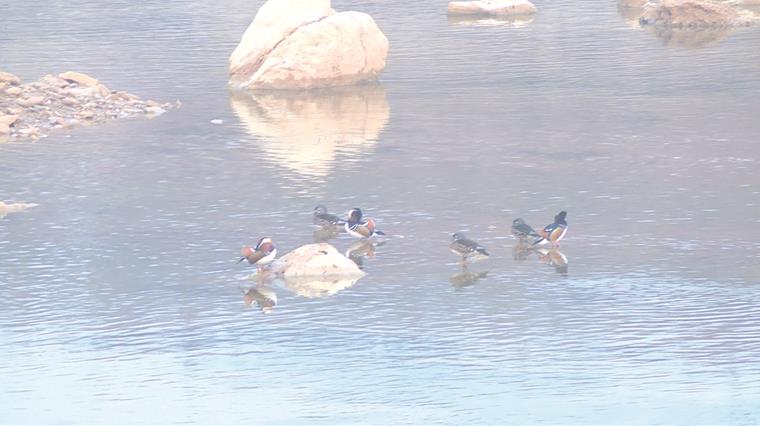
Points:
(358, 228)
(261, 255)
(522, 230)
(326, 220)
(554, 231)
(467, 248)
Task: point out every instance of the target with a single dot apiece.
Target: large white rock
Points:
(317, 261)
(492, 7)
(274, 22)
(299, 44)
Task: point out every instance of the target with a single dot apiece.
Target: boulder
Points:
(275, 21)
(307, 132)
(30, 101)
(492, 7)
(5, 123)
(690, 14)
(303, 44)
(79, 78)
(317, 261)
(9, 78)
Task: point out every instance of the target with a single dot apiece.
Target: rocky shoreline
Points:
(70, 99)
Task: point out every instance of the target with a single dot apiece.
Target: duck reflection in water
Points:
(264, 297)
(328, 225)
(323, 235)
(554, 257)
(362, 249)
(466, 278)
(549, 256)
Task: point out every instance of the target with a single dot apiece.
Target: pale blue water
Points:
(120, 298)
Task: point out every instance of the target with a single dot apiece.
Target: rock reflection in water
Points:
(491, 21)
(306, 131)
(315, 287)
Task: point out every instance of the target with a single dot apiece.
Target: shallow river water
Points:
(120, 298)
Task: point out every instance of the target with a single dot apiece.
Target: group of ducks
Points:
(357, 226)
(551, 234)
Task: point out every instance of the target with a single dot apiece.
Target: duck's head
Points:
(560, 217)
(518, 221)
(320, 209)
(354, 215)
(457, 236)
(265, 244)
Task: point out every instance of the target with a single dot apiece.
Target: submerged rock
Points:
(300, 44)
(515, 21)
(32, 110)
(690, 14)
(14, 207)
(492, 7)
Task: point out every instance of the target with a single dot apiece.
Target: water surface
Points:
(120, 298)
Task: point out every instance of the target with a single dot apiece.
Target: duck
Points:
(323, 219)
(467, 248)
(522, 230)
(358, 228)
(261, 255)
(553, 232)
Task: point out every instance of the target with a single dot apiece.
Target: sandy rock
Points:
(492, 7)
(317, 261)
(5, 123)
(690, 14)
(79, 78)
(30, 101)
(86, 114)
(53, 81)
(274, 22)
(9, 78)
(56, 102)
(154, 110)
(298, 44)
(102, 90)
(13, 208)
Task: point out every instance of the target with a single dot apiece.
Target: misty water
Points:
(121, 300)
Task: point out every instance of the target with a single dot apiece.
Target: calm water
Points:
(120, 298)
